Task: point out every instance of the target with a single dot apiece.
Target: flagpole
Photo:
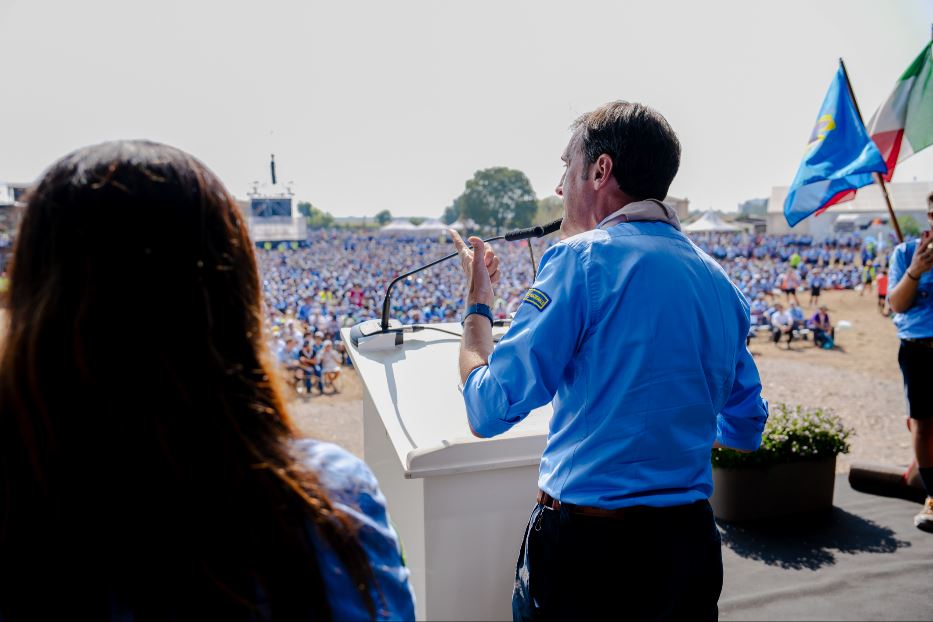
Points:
(878, 177)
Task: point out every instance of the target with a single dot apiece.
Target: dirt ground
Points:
(859, 380)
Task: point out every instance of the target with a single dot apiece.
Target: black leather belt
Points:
(618, 514)
(550, 502)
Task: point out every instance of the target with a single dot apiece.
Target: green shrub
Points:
(791, 435)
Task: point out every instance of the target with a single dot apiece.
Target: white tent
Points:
(710, 222)
(399, 226)
(432, 226)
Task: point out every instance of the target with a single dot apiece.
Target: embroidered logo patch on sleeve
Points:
(537, 298)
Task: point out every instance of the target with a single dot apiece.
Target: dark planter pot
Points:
(756, 493)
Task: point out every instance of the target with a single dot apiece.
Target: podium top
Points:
(414, 390)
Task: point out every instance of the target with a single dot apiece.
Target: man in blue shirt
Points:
(638, 339)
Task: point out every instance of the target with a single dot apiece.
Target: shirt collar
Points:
(647, 210)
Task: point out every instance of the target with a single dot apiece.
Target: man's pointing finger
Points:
(458, 242)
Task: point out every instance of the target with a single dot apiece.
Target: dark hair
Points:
(150, 476)
(645, 151)
(930, 200)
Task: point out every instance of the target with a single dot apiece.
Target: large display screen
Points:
(267, 208)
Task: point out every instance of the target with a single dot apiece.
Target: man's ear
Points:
(602, 171)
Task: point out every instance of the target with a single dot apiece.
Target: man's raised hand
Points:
(481, 266)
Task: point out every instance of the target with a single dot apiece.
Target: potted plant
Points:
(793, 472)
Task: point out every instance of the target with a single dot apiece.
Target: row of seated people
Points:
(791, 323)
(311, 363)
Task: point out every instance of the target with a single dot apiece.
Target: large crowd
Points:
(340, 279)
(771, 269)
(758, 264)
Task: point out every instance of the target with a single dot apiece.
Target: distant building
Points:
(751, 224)
(908, 198)
(681, 206)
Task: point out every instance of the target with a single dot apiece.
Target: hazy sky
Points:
(372, 105)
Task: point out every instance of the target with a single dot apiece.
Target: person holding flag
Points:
(911, 299)
(840, 156)
(901, 127)
(843, 156)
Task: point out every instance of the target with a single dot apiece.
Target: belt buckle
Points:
(547, 501)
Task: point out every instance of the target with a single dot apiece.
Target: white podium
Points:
(459, 503)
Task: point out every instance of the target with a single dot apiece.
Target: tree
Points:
(305, 208)
(416, 220)
(317, 219)
(549, 208)
(498, 197)
(320, 220)
(909, 225)
(383, 218)
(451, 213)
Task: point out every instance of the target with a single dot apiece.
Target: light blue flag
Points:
(840, 157)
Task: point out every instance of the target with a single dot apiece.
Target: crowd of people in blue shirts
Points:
(759, 264)
(340, 278)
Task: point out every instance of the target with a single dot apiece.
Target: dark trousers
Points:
(916, 361)
(776, 334)
(820, 336)
(659, 564)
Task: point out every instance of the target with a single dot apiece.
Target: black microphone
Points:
(537, 231)
(372, 327)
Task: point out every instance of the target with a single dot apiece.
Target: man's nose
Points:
(559, 190)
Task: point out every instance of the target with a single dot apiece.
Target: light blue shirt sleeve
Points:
(527, 365)
(742, 419)
(745, 413)
(916, 322)
(897, 265)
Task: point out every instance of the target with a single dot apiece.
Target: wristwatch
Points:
(479, 309)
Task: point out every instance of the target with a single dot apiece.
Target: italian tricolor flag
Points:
(903, 125)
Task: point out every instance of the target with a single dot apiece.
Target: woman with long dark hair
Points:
(148, 468)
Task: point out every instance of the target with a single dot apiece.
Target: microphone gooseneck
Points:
(365, 329)
(386, 300)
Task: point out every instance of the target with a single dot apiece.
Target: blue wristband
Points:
(479, 309)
